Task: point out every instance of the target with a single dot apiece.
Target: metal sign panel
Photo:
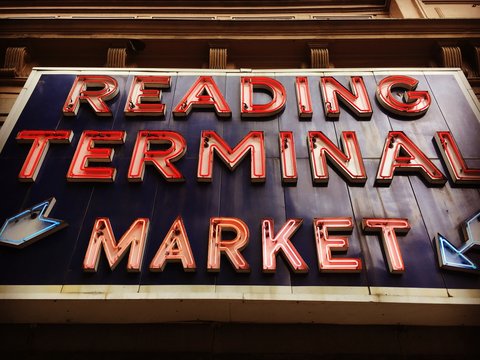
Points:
(282, 185)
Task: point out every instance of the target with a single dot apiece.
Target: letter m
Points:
(212, 143)
(102, 236)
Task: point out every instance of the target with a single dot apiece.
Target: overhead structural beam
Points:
(319, 57)
(14, 64)
(116, 58)
(217, 58)
(476, 51)
(451, 56)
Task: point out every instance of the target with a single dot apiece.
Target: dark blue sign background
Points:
(57, 259)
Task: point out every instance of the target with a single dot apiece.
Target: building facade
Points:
(237, 40)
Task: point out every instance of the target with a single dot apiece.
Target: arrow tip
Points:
(449, 257)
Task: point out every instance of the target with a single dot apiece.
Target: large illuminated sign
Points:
(299, 178)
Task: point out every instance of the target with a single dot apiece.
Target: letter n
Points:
(356, 100)
(348, 163)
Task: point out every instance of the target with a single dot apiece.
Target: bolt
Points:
(392, 141)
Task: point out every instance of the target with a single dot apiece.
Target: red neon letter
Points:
(388, 229)
(203, 93)
(271, 245)
(41, 140)
(357, 100)
(304, 101)
(102, 236)
(457, 168)
(211, 142)
(86, 152)
(327, 244)
(95, 98)
(415, 102)
(288, 158)
(231, 248)
(161, 159)
(276, 90)
(144, 96)
(350, 163)
(175, 247)
(401, 153)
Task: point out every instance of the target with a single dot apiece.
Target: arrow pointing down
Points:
(30, 225)
(453, 258)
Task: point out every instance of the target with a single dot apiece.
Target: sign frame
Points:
(223, 303)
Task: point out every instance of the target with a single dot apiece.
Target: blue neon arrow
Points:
(30, 225)
(471, 229)
(449, 257)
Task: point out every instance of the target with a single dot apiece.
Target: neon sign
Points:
(137, 133)
(400, 153)
(30, 225)
(205, 93)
